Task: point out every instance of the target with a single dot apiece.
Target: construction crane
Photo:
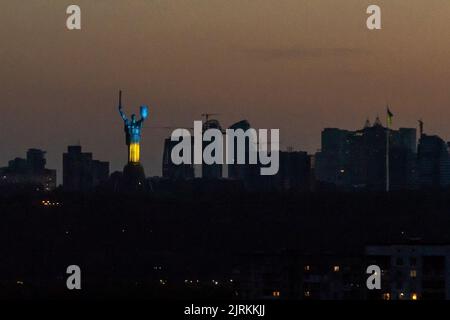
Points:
(207, 115)
(169, 128)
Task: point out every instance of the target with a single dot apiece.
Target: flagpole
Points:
(387, 151)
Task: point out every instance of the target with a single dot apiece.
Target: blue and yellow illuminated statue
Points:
(133, 130)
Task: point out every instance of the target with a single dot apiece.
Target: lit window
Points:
(413, 273)
(414, 296)
(307, 268)
(276, 293)
(336, 268)
(386, 296)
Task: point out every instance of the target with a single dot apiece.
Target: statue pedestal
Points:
(134, 176)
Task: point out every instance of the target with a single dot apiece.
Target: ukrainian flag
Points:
(390, 116)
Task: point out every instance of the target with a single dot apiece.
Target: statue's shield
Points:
(144, 112)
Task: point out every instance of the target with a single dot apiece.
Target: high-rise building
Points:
(246, 172)
(36, 160)
(173, 171)
(357, 159)
(30, 171)
(433, 162)
(405, 138)
(367, 167)
(81, 172)
(211, 171)
(331, 163)
(100, 171)
(294, 172)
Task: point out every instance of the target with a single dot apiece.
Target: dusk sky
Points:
(296, 65)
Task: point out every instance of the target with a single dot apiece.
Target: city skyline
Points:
(341, 158)
(316, 65)
(224, 157)
(283, 148)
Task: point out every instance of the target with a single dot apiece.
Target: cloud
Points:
(304, 53)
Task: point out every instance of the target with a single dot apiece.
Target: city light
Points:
(49, 203)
